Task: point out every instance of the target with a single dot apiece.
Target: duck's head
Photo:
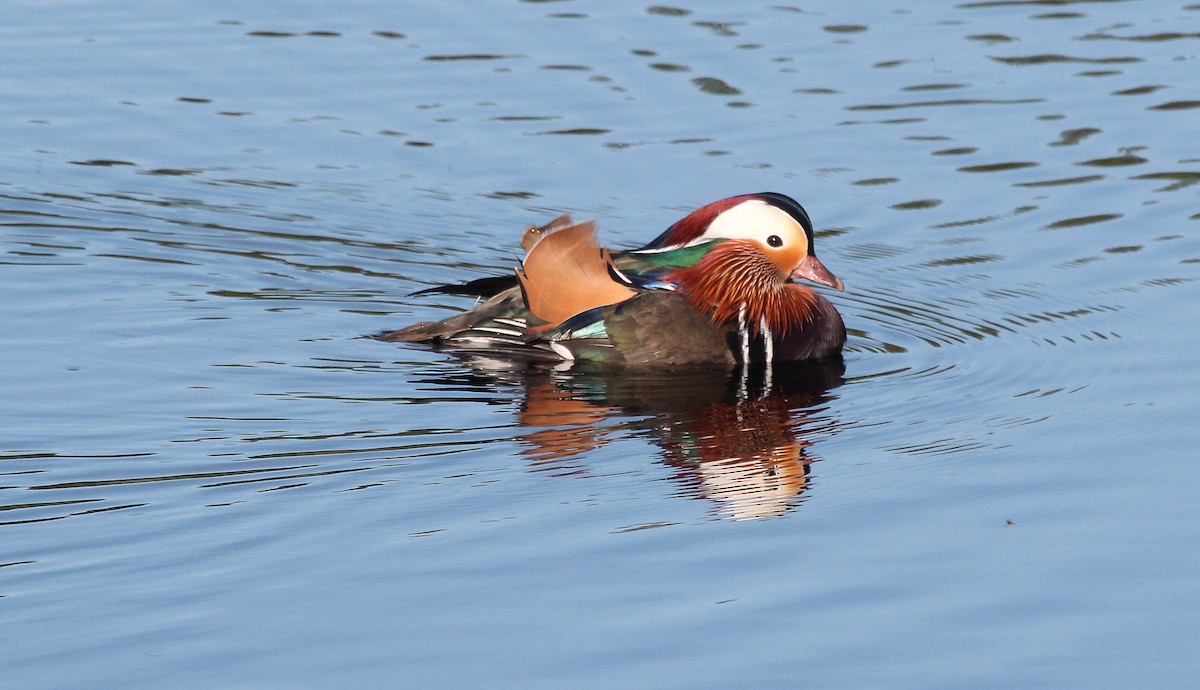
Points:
(774, 224)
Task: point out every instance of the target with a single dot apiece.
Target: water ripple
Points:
(946, 102)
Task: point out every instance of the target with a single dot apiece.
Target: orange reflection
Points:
(571, 426)
(735, 442)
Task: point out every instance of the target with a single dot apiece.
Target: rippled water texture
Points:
(209, 478)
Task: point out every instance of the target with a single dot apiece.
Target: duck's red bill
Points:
(813, 270)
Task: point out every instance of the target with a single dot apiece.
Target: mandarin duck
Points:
(716, 288)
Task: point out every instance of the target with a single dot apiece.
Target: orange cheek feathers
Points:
(786, 260)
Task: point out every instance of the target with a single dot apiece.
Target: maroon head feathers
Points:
(693, 225)
(698, 223)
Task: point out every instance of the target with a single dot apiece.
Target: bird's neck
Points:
(736, 283)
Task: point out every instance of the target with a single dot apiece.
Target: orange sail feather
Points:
(566, 273)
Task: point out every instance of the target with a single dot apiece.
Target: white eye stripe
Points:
(755, 220)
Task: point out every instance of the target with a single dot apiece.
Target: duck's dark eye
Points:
(775, 241)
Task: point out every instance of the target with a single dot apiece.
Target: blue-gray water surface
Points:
(210, 478)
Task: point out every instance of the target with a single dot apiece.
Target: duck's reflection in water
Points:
(736, 439)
